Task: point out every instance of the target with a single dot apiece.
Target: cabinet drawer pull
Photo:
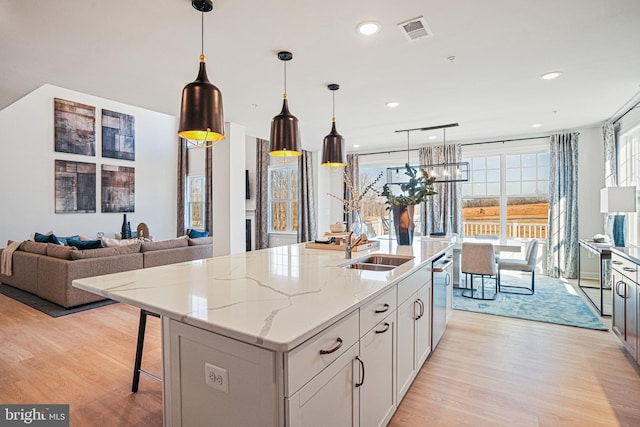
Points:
(421, 304)
(617, 262)
(387, 326)
(629, 269)
(383, 310)
(334, 349)
(362, 368)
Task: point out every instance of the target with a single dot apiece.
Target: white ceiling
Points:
(143, 52)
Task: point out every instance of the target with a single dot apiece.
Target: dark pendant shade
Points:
(333, 149)
(201, 114)
(285, 134)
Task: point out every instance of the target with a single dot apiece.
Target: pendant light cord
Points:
(408, 162)
(285, 78)
(202, 33)
(333, 111)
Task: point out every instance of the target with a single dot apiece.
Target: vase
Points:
(403, 224)
(357, 226)
(125, 231)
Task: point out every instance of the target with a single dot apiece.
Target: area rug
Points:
(554, 301)
(47, 307)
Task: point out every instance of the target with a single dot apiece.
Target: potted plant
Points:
(413, 192)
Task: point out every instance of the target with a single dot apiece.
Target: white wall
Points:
(27, 191)
(590, 181)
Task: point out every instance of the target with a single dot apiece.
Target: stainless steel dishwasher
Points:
(442, 294)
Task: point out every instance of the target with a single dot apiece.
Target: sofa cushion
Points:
(195, 234)
(62, 252)
(110, 243)
(105, 252)
(200, 241)
(85, 244)
(34, 247)
(179, 242)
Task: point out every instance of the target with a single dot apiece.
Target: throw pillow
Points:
(110, 243)
(46, 238)
(63, 240)
(85, 244)
(194, 234)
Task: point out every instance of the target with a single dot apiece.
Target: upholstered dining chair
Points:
(528, 264)
(479, 259)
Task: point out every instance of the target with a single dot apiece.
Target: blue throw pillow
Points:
(63, 240)
(194, 234)
(46, 238)
(85, 244)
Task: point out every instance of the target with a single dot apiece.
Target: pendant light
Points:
(285, 130)
(333, 147)
(201, 114)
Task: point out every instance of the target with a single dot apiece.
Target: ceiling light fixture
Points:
(333, 146)
(369, 28)
(432, 137)
(392, 104)
(536, 125)
(285, 129)
(551, 75)
(201, 113)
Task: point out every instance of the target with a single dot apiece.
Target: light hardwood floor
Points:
(487, 370)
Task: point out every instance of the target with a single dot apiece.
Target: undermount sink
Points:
(378, 262)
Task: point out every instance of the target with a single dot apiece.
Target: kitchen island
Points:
(286, 335)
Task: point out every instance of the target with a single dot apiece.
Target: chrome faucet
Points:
(348, 247)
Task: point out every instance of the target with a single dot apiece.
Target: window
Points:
(195, 202)
(507, 195)
(629, 174)
(283, 199)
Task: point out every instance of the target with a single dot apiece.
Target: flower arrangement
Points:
(353, 205)
(414, 192)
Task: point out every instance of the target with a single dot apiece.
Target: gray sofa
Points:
(47, 270)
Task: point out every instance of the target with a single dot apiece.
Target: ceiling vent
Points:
(415, 29)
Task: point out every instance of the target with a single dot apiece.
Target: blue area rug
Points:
(555, 301)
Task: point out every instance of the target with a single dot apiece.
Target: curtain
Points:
(562, 239)
(442, 212)
(183, 169)
(352, 170)
(610, 168)
(208, 190)
(262, 189)
(307, 206)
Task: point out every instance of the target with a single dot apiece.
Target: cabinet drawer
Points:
(311, 357)
(377, 309)
(411, 284)
(625, 266)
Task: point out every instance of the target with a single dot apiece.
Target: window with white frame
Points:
(194, 202)
(507, 195)
(283, 199)
(628, 156)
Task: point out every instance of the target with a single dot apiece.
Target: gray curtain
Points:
(353, 172)
(306, 205)
(562, 239)
(262, 189)
(208, 190)
(183, 169)
(442, 212)
(610, 168)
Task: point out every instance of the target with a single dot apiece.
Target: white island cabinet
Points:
(285, 336)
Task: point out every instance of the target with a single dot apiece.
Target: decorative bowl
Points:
(338, 227)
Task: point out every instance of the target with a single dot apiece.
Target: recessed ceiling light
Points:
(551, 75)
(536, 125)
(432, 137)
(392, 104)
(356, 146)
(369, 28)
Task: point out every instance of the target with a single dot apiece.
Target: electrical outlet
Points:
(216, 377)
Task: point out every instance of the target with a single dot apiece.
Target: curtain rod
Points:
(625, 113)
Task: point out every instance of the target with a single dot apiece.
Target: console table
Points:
(596, 294)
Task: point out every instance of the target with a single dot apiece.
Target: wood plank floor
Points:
(487, 370)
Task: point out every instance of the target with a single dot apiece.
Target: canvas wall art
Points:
(75, 186)
(75, 127)
(118, 188)
(118, 135)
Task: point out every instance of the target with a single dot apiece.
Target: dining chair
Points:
(528, 264)
(479, 259)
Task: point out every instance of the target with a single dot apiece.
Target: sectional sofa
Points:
(47, 269)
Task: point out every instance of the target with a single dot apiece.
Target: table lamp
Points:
(616, 200)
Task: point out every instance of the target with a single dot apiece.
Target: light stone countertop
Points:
(275, 298)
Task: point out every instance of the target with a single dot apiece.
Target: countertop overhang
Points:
(275, 298)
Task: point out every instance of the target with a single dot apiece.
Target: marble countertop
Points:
(630, 252)
(275, 298)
